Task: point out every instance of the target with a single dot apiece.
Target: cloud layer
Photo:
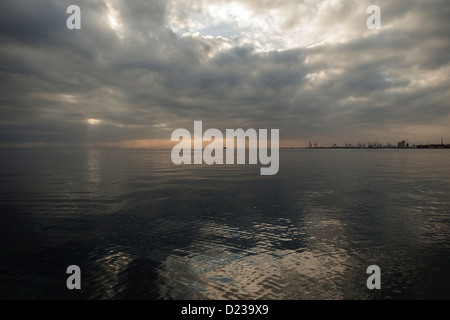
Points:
(137, 70)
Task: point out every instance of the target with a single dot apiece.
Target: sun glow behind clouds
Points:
(94, 121)
(114, 21)
(268, 26)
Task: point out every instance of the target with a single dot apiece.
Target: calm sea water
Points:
(140, 227)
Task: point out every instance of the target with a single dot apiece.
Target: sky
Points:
(138, 70)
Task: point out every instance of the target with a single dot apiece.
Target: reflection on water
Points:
(215, 270)
(93, 166)
(140, 227)
(111, 266)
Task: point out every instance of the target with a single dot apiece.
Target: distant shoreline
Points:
(426, 147)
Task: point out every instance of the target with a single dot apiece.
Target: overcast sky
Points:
(137, 70)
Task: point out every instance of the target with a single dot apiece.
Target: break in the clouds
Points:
(137, 70)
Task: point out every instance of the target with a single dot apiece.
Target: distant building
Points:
(401, 144)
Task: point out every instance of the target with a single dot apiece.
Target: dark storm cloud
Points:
(141, 79)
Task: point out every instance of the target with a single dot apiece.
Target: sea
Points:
(140, 227)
